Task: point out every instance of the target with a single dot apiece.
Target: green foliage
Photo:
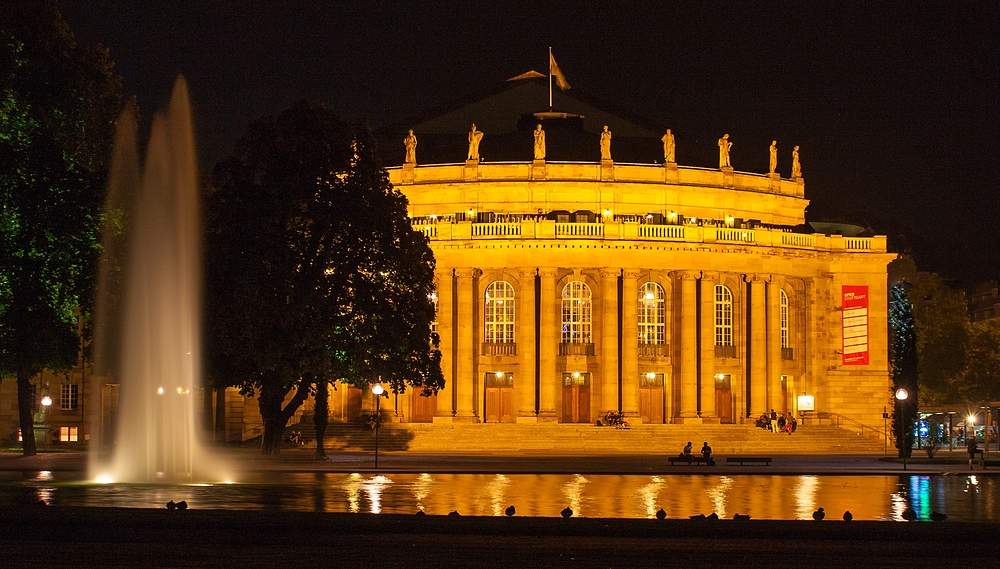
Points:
(981, 380)
(904, 364)
(941, 318)
(58, 103)
(313, 270)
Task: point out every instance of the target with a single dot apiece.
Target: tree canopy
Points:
(313, 271)
(58, 105)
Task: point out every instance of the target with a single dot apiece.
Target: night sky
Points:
(894, 104)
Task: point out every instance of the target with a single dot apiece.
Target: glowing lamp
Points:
(377, 389)
(807, 403)
(499, 374)
(46, 401)
(971, 419)
(901, 394)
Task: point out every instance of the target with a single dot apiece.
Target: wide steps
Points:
(563, 439)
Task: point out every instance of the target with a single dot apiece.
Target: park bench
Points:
(693, 459)
(765, 460)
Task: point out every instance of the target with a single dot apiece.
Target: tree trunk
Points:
(274, 417)
(322, 415)
(24, 412)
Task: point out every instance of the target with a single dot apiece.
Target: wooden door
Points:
(651, 404)
(424, 408)
(576, 404)
(724, 405)
(506, 404)
(492, 404)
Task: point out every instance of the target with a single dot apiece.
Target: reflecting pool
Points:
(963, 497)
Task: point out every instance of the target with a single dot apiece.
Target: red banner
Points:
(855, 311)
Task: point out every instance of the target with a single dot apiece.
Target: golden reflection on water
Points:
(421, 488)
(573, 490)
(497, 487)
(649, 496)
(718, 494)
(805, 497)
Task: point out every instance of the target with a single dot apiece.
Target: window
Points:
(784, 320)
(562, 218)
(499, 313)
(723, 316)
(69, 434)
(434, 300)
(652, 314)
(68, 400)
(576, 313)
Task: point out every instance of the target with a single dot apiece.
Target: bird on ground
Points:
(660, 514)
(182, 505)
(713, 516)
(420, 513)
(909, 515)
(566, 512)
(171, 505)
(741, 517)
(819, 514)
(697, 517)
(510, 510)
(848, 516)
(454, 513)
(938, 516)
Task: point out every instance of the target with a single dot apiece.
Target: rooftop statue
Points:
(796, 167)
(539, 143)
(774, 156)
(668, 148)
(475, 136)
(410, 142)
(724, 146)
(606, 144)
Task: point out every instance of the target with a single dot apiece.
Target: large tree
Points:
(58, 104)
(981, 380)
(940, 316)
(903, 361)
(313, 271)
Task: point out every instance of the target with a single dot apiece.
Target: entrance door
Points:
(499, 397)
(576, 398)
(724, 398)
(651, 397)
(424, 408)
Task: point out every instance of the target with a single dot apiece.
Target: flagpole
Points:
(550, 77)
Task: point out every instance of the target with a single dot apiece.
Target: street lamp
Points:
(378, 390)
(901, 396)
(46, 401)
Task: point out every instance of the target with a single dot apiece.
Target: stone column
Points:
(446, 330)
(609, 341)
(707, 353)
(689, 337)
(465, 371)
(630, 345)
(524, 381)
(549, 336)
(757, 348)
(774, 344)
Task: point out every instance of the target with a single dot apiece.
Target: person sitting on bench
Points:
(706, 451)
(686, 453)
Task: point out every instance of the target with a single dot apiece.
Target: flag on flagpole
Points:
(555, 72)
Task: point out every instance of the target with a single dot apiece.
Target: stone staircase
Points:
(572, 439)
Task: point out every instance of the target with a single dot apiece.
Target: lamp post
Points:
(46, 401)
(378, 390)
(901, 396)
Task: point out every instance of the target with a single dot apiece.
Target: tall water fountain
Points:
(151, 332)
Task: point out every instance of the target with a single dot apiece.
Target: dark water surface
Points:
(963, 497)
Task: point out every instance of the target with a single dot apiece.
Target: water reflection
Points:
(969, 498)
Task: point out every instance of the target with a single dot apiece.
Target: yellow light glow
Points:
(159, 391)
(971, 419)
(607, 213)
(650, 375)
(104, 479)
(576, 374)
(499, 374)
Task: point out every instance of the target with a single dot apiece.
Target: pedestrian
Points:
(774, 421)
(973, 449)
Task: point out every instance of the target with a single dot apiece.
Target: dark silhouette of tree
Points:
(313, 271)
(940, 316)
(904, 365)
(58, 104)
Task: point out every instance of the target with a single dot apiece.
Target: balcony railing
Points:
(579, 230)
(661, 231)
(725, 351)
(735, 235)
(503, 229)
(576, 349)
(788, 354)
(499, 349)
(654, 350)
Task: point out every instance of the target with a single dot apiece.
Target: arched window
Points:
(576, 313)
(652, 314)
(784, 320)
(498, 313)
(723, 316)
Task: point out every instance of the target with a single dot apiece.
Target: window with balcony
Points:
(577, 310)
(498, 313)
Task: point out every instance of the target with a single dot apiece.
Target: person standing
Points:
(973, 449)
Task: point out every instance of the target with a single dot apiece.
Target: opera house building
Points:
(568, 288)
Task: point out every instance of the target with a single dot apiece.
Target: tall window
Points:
(499, 313)
(784, 320)
(652, 314)
(723, 316)
(434, 300)
(67, 402)
(576, 313)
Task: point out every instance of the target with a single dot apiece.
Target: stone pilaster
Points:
(446, 330)
(465, 370)
(707, 352)
(757, 347)
(774, 400)
(630, 341)
(548, 381)
(524, 381)
(689, 346)
(609, 341)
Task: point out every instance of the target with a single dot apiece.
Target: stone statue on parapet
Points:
(796, 167)
(669, 148)
(724, 147)
(606, 144)
(539, 143)
(475, 136)
(774, 156)
(410, 142)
